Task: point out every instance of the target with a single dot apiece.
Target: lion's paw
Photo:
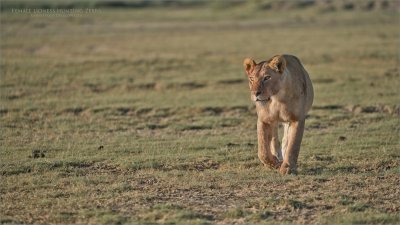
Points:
(274, 163)
(287, 169)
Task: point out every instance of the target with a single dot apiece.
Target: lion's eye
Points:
(266, 78)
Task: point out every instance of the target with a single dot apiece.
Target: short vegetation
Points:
(142, 115)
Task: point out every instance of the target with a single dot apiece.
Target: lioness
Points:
(282, 92)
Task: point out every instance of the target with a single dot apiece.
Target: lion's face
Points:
(264, 78)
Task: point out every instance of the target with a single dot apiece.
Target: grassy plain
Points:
(144, 116)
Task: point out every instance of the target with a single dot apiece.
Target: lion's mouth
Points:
(263, 100)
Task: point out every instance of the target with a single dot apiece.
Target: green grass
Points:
(144, 116)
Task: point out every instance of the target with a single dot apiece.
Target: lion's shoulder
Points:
(299, 78)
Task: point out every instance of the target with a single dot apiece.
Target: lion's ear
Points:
(277, 63)
(248, 65)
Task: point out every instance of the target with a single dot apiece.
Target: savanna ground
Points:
(144, 116)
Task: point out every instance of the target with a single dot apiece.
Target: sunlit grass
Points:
(144, 116)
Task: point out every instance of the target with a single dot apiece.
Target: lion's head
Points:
(264, 77)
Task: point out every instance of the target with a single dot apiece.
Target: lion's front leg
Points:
(266, 145)
(294, 136)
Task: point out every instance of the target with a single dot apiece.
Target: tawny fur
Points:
(282, 91)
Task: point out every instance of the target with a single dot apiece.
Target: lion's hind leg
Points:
(275, 144)
(286, 127)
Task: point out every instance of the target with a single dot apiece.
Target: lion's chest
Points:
(275, 111)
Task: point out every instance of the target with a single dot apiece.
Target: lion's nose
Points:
(258, 93)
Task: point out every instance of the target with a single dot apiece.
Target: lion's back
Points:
(298, 71)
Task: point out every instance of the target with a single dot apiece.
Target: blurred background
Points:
(139, 111)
